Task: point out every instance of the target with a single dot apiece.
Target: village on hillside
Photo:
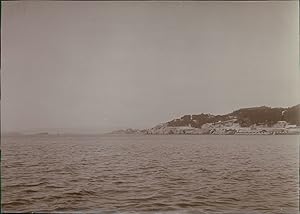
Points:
(248, 121)
(230, 127)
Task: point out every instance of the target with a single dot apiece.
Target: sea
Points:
(169, 174)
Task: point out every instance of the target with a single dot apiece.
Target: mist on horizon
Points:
(100, 66)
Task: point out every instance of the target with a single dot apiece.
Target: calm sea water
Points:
(146, 174)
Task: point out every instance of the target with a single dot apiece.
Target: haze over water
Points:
(177, 174)
(94, 67)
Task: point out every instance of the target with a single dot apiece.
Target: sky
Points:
(100, 66)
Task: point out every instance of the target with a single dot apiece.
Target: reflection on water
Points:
(170, 174)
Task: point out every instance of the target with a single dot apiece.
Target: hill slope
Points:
(245, 117)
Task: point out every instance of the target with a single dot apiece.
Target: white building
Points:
(280, 124)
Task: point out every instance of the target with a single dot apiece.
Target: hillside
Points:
(244, 117)
(256, 120)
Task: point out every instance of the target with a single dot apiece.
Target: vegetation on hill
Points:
(245, 117)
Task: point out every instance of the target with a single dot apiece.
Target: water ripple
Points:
(151, 174)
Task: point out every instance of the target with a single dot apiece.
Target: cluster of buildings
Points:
(164, 129)
(229, 127)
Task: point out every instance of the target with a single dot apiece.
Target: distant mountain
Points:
(256, 120)
(244, 117)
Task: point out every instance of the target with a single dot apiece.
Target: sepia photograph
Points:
(150, 107)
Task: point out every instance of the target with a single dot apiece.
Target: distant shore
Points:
(163, 130)
(248, 121)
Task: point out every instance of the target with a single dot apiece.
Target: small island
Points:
(247, 121)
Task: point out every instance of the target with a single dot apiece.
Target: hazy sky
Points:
(97, 66)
